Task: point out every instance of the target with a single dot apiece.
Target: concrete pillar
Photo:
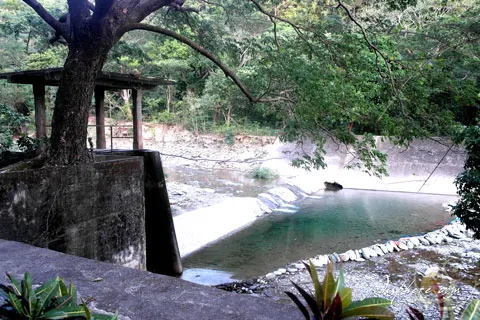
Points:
(40, 116)
(137, 119)
(100, 117)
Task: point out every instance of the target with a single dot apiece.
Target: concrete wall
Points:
(427, 166)
(94, 211)
(162, 251)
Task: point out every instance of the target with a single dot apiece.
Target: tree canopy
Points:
(310, 69)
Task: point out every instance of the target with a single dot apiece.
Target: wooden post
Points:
(100, 117)
(40, 116)
(137, 119)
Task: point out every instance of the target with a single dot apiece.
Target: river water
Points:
(329, 222)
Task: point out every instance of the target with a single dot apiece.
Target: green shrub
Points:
(332, 300)
(51, 300)
(264, 173)
(165, 117)
(10, 123)
(229, 137)
(468, 182)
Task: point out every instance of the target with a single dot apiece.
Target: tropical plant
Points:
(51, 300)
(332, 300)
(471, 312)
(468, 182)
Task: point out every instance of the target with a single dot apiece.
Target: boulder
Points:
(332, 186)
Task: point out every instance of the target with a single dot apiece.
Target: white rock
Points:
(394, 245)
(344, 257)
(351, 254)
(292, 270)
(358, 255)
(389, 246)
(415, 241)
(320, 261)
(409, 244)
(402, 245)
(430, 239)
(424, 241)
(383, 248)
(299, 266)
(378, 251)
(364, 253)
(270, 276)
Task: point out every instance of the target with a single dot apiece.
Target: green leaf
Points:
(371, 312)
(346, 296)
(46, 292)
(44, 289)
(328, 286)
(15, 284)
(317, 285)
(63, 288)
(64, 313)
(72, 292)
(339, 284)
(369, 302)
(370, 308)
(106, 317)
(16, 304)
(87, 311)
(28, 294)
(472, 311)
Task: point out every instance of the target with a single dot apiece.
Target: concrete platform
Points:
(136, 294)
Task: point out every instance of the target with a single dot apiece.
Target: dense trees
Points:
(314, 69)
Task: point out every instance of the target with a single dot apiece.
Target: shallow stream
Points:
(329, 222)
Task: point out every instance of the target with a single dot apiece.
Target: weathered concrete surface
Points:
(197, 228)
(94, 210)
(137, 295)
(162, 249)
(410, 170)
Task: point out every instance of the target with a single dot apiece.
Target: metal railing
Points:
(112, 135)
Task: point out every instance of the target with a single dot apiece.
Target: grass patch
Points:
(264, 173)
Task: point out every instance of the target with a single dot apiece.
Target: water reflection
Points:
(336, 222)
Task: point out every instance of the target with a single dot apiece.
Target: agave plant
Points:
(332, 300)
(52, 300)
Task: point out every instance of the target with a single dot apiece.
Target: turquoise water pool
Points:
(330, 222)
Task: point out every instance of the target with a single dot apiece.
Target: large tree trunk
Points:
(74, 98)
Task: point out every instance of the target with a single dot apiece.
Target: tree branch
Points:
(146, 7)
(48, 18)
(298, 29)
(196, 47)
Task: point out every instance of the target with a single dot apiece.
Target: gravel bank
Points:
(395, 276)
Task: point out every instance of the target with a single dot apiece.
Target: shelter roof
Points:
(107, 80)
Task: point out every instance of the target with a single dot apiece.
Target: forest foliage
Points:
(401, 69)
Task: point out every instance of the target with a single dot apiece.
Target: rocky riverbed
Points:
(455, 263)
